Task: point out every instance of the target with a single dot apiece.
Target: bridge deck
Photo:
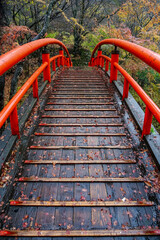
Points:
(83, 174)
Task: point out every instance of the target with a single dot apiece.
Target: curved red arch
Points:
(149, 57)
(12, 57)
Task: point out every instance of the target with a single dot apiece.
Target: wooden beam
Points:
(80, 97)
(82, 109)
(54, 162)
(77, 84)
(79, 147)
(81, 134)
(84, 179)
(81, 233)
(53, 103)
(80, 125)
(85, 116)
(81, 203)
(99, 94)
(80, 89)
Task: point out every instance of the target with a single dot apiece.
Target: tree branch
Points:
(46, 20)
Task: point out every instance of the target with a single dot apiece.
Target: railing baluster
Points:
(107, 66)
(147, 122)
(125, 89)
(58, 62)
(99, 63)
(68, 62)
(53, 65)
(35, 89)
(102, 62)
(114, 71)
(61, 58)
(14, 122)
(47, 71)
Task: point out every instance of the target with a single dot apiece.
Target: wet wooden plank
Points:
(64, 216)
(77, 104)
(77, 233)
(112, 161)
(80, 98)
(74, 179)
(79, 147)
(83, 116)
(80, 134)
(98, 191)
(80, 109)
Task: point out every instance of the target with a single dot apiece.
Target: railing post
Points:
(47, 71)
(125, 89)
(14, 122)
(61, 59)
(99, 58)
(91, 64)
(102, 62)
(107, 66)
(53, 65)
(114, 59)
(97, 61)
(58, 62)
(147, 122)
(67, 60)
(35, 89)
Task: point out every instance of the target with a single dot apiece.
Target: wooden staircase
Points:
(81, 177)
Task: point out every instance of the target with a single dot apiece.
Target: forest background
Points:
(80, 25)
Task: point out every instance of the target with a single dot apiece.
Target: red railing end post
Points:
(61, 58)
(107, 66)
(35, 89)
(114, 59)
(47, 71)
(14, 122)
(125, 89)
(147, 122)
(102, 62)
(53, 65)
(99, 59)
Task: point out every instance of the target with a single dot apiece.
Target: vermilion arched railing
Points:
(149, 57)
(12, 57)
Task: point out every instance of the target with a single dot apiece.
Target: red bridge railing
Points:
(9, 59)
(151, 58)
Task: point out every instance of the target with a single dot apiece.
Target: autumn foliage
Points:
(14, 35)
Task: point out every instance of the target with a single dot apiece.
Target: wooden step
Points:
(80, 124)
(86, 116)
(53, 103)
(84, 179)
(80, 97)
(81, 233)
(99, 94)
(78, 79)
(79, 147)
(54, 162)
(81, 134)
(77, 84)
(80, 109)
(81, 203)
(80, 89)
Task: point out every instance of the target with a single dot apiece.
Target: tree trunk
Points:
(19, 67)
(3, 22)
(77, 41)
